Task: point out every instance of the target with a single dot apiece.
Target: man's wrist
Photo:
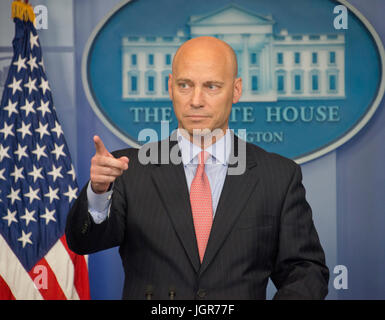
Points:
(96, 191)
(98, 201)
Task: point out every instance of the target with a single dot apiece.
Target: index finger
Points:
(99, 147)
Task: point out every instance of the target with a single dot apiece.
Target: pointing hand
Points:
(105, 168)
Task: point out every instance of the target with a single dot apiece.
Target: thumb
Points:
(99, 147)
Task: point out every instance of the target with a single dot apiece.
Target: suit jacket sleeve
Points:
(84, 236)
(300, 271)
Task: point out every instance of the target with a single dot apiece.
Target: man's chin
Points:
(200, 134)
(199, 131)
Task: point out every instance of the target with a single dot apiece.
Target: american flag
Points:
(37, 184)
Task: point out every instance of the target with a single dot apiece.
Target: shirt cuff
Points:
(98, 204)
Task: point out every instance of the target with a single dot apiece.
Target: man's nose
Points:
(197, 99)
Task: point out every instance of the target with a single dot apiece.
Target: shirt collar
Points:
(219, 151)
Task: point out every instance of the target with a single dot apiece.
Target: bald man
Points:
(190, 229)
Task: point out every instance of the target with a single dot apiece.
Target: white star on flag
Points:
(42, 130)
(36, 173)
(10, 217)
(28, 216)
(57, 129)
(25, 238)
(31, 85)
(28, 107)
(44, 85)
(55, 173)
(7, 130)
(11, 108)
(32, 63)
(48, 216)
(20, 152)
(32, 194)
(20, 63)
(72, 172)
(71, 193)
(39, 151)
(24, 129)
(14, 195)
(4, 153)
(52, 194)
(33, 40)
(15, 85)
(44, 107)
(58, 151)
(17, 173)
(41, 64)
(2, 174)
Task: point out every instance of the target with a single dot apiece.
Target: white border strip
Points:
(316, 154)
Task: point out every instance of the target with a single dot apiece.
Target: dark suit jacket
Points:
(262, 228)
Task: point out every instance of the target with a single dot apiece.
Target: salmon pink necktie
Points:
(201, 204)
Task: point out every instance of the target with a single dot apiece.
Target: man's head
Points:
(204, 84)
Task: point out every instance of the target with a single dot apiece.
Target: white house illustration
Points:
(273, 66)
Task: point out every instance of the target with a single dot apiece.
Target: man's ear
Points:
(170, 85)
(237, 93)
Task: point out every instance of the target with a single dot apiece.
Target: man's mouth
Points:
(197, 116)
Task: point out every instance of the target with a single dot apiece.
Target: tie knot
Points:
(203, 157)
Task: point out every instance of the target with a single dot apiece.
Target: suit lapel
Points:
(235, 194)
(171, 184)
(170, 181)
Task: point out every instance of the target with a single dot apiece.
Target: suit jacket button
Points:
(201, 293)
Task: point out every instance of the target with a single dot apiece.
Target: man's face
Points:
(203, 88)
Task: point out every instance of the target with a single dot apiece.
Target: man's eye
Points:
(213, 86)
(183, 85)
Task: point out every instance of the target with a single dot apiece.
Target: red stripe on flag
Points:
(81, 272)
(5, 292)
(46, 282)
